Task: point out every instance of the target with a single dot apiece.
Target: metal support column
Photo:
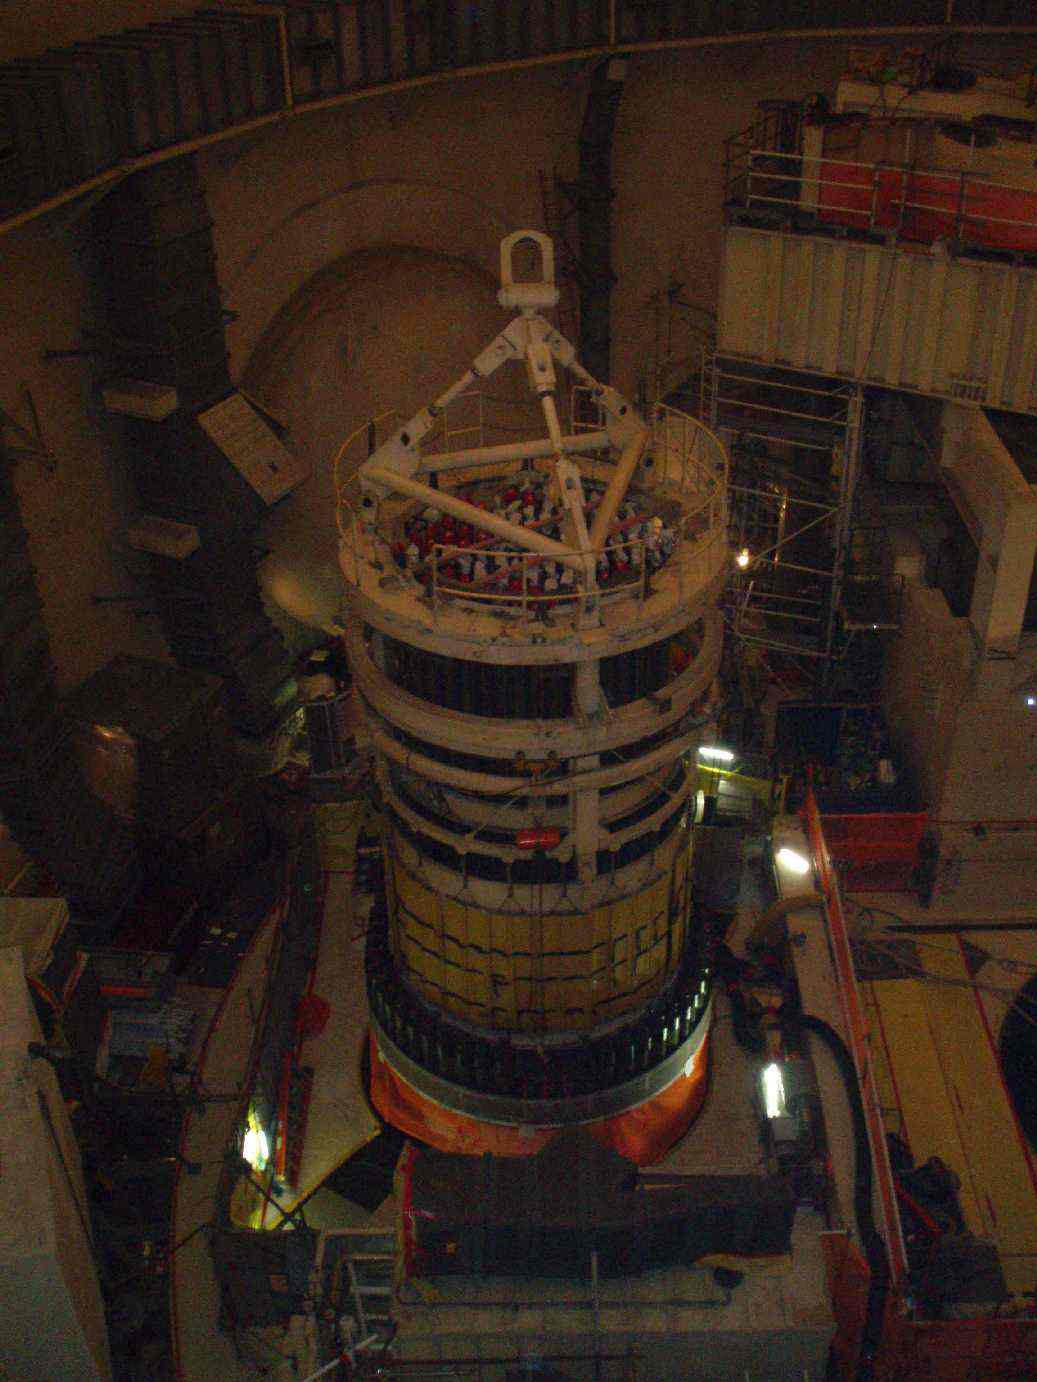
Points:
(595, 218)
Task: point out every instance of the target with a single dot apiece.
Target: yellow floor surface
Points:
(940, 1084)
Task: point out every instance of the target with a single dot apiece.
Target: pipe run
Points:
(767, 930)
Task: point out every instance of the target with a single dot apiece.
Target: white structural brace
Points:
(512, 451)
(529, 338)
(468, 513)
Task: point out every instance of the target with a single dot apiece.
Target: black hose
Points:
(874, 1247)
(747, 1030)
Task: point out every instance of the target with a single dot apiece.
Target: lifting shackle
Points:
(528, 297)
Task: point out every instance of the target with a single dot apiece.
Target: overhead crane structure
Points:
(534, 634)
(75, 119)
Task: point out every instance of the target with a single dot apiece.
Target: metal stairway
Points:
(559, 212)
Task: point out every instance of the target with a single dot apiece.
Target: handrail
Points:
(100, 135)
(918, 203)
(688, 465)
(685, 465)
(340, 484)
(857, 1039)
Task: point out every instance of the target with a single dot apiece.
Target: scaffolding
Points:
(795, 447)
(683, 340)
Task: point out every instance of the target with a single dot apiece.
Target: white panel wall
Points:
(907, 318)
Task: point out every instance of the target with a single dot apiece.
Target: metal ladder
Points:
(762, 162)
(371, 1263)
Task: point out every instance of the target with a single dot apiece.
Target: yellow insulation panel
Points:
(555, 972)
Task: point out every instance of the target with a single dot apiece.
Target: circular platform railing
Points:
(684, 471)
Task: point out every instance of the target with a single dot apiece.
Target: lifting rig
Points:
(531, 710)
(530, 338)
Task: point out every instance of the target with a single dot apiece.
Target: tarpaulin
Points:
(643, 1134)
(646, 1133)
(418, 1117)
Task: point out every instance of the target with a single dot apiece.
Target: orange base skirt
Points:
(643, 1134)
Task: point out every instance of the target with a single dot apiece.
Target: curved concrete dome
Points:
(389, 322)
(393, 322)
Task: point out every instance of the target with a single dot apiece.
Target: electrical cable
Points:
(164, 1256)
(880, 938)
(909, 90)
(81, 1212)
(1014, 1000)
(886, 943)
(871, 1239)
(746, 1030)
(891, 275)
